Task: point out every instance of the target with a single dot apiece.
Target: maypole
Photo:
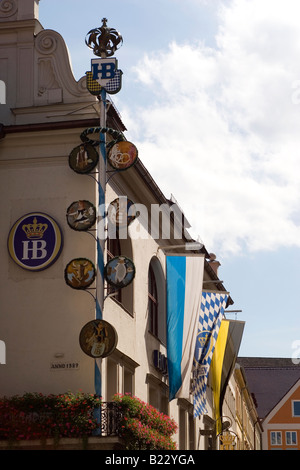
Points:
(98, 338)
(104, 41)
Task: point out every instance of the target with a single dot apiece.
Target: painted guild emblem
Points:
(81, 215)
(122, 155)
(98, 338)
(35, 241)
(80, 273)
(121, 212)
(119, 271)
(83, 158)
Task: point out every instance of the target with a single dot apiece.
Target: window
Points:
(296, 408)
(123, 296)
(119, 371)
(158, 394)
(113, 250)
(291, 438)
(152, 302)
(276, 439)
(157, 300)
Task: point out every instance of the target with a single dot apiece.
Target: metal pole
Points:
(101, 231)
(104, 41)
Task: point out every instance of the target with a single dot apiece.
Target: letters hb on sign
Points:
(104, 70)
(37, 250)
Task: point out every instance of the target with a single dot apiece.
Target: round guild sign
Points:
(121, 212)
(35, 241)
(122, 155)
(98, 338)
(83, 158)
(119, 271)
(80, 273)
(81, 215)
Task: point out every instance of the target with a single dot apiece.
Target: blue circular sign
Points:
(35, 241)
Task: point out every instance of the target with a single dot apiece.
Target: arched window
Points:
(113, 249)
(124, 296)
(157, 300)
(152, 302)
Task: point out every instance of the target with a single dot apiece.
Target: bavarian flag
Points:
(184, 291)
(211, 314)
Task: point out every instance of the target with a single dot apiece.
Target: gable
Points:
(283, 411)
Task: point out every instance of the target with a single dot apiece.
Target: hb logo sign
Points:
(106, 74)
(35, 241)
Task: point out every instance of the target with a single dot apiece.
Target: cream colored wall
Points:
(40, 315)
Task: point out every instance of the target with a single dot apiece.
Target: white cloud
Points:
(222, 130)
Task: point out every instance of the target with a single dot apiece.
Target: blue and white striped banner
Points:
(211, 313)
(184, 290)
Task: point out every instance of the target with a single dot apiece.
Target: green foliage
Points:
(143, 426)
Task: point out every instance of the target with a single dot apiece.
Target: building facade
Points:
(45, 114)
(282, 424)
(274, 385)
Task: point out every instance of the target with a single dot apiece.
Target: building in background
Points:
(45, 115)
(275, 388)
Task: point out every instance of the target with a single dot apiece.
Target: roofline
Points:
(113, 118)
(282, 400)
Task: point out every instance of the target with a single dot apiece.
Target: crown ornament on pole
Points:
(104, 41)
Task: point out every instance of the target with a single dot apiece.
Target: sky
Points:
(211, 98)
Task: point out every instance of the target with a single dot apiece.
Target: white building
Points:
(41, 317)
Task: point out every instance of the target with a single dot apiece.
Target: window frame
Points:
(152, 301)
(286, 438)
(113, 250)
(157, 305)
(276, 435)
(295, 415)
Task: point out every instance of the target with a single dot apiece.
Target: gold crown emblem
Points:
(35, 230)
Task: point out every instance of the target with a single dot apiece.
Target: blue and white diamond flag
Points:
(211, 313)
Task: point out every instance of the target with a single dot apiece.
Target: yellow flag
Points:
(216, 370)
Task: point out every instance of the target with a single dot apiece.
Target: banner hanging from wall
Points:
(211, 314)
(184, 289)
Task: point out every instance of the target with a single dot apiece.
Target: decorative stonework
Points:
(47, 80)
(46, 42)
(8, 8)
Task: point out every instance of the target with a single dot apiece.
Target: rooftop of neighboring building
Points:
(269, 379)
